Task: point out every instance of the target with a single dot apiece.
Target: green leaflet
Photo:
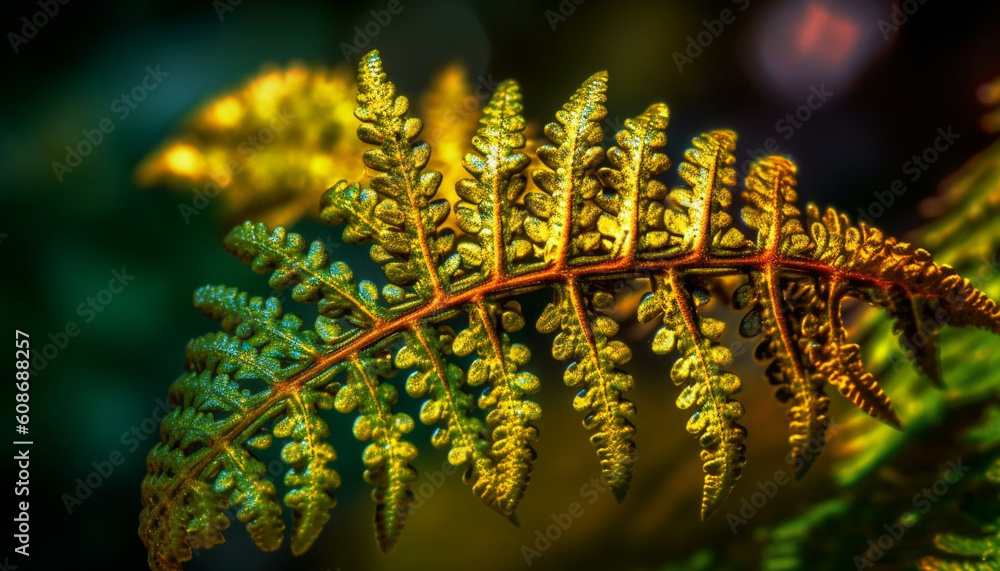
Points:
(489, 210)
(425, 350)
(822, 339)
(563, 218)
(408, 243)
(707, 385)
(310, 272)
(632, 218)
(511, 415)
(387, 459)
(259, 322)
(585, 337)
(243, 475)
(258, 343)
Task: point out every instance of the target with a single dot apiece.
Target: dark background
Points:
(62, 240)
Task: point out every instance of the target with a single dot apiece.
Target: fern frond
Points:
(707, 385)
(309, 480)
(982, 551)
(562, 220)
(489, 210)
(353, 207)
(965, 236)
(510, 415)
(448, 404)
(258, 344)
(448, 315)
(310, 274)
(259, 322)
(632, 219)
(408, 243)
(387, 459)
(244, 475)
(966, 553)
(585, 336)
(919, 294)
(772, 212)
(698, 220)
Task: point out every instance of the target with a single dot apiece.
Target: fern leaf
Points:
(259, 343)
(632, 218)
(409, 244)
(589, 228)
(448, 404)
(193, 519)
(563, 218)
(699, 221)
(354, 207)
(585, 337)
(976, 553)
(259, 322)
(511, 415)
(310, 479)
(772, 212)
(830, 233)
(244, 476)
(707, 385)
(310, 272)
(920, 294)
(962, 303)
(488, 210)
(914, 320)
(387, 459)
(963, 235)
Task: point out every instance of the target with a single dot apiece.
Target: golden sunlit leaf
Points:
(443, 309)
(266, 151)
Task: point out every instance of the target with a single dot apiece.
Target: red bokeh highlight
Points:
(825, 35)
(796, 45)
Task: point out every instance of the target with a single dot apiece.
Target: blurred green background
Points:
(61, 241)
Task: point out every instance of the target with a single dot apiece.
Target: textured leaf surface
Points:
(510, 414)
(707, 385)
(562, 220)
(585, 337)
(772, 212)
(444, 311)
(387, 459)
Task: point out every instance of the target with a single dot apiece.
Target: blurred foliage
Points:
(271, 147)
(786, 546)
(976, 552)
